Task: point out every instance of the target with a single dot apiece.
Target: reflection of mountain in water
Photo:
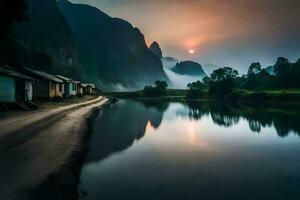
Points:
(120, 124)
(285, 120)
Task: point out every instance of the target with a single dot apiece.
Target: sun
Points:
(191, 51)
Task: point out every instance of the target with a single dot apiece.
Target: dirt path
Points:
(37, 144)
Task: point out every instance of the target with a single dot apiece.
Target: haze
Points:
(226, 33)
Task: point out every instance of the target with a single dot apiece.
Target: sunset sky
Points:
(222, 32)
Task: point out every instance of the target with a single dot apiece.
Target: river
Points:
(159, 151)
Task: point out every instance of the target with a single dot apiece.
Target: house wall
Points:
(63, 89)
(66, 89)
(72, 89)
(28, 91)
(7, 89)
(54, 89)
(79, 89)
(42, 89)
(59, 90)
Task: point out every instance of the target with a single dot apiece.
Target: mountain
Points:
(170, 59)
(209, 68)
(169, 62)
(46, 40)
(189, 68)
(113, 51)
(155, 48)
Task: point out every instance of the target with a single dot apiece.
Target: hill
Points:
(113, 51)
(189, 68)
(46, 41)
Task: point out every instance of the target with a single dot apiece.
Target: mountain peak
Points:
(111, 49)
(155, 48)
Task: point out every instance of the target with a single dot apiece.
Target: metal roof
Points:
(88, 84)
(44, 75)
(64, 78)
(11, 72)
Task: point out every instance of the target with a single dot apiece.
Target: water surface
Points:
(161, 151)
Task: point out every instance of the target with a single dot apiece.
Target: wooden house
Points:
(78, 88)
(88, 88)
(84, 88)
(15, 87)
(47, 86)
(69, 86)
(93, 88)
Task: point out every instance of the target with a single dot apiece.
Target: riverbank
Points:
(42, 151)
(273, 96)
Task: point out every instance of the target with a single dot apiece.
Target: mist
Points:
(177, 81)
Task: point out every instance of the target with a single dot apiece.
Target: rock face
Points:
(155, 48)
(189, 68)
(47, 35)
(112, 50)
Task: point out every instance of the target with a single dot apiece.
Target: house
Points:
(78, 88)
(94, 88)
(15, 87)
(47, 86)
(69, 86)
(89, 88)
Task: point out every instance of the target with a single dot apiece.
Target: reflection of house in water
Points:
(119, 125)
(15, 87)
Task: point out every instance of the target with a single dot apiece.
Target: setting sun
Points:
(191, 51)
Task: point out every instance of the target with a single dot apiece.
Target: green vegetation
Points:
(195, 90)
(225, 84)
(159, 89)
(222, 81)
(257, 85)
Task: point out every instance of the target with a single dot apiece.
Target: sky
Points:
(231, 33)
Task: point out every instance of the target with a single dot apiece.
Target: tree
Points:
(254, 68)
(223, 74)
(206, 80)
(222, 81)
(161, 85)
(281, 66)
(159, 89)
(283, 72)
(195, 89)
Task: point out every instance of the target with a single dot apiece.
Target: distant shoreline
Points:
(267, 96)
